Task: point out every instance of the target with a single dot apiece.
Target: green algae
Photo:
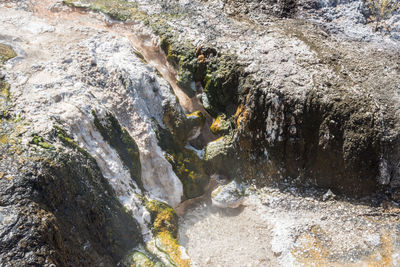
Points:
(67, 140)
(120, 139)
(142, 260)
(6, 53)
(39, 141)
(185, 163)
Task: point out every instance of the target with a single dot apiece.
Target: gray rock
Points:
(329, 195)
(228, 196)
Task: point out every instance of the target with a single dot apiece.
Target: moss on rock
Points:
(119, 138)
(67, 140)
(39, 141)
(117, 9)
(176, 122)
(221, 85)
(185, 163)
(6, 53)
(221, 156)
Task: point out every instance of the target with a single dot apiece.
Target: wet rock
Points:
(62, 210)
(84, 186)
(228, 196)
(302, 99)
(123, 143)
(186, 163)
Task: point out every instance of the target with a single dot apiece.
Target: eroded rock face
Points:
(90, 108)
(308, 97)
(300, 97)
(338, 130)
(57, 208)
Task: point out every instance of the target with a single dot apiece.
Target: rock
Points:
(79, 182)
(220, 125)
(220, 156)
(299, 104)
(288, 108)
(220, 178)
(228, 196)
(58, 205)
(329, 195)
(140, 259)
(196, 121)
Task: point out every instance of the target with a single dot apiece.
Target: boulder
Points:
(230, 195)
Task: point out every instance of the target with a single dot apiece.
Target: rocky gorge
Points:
(133, 133)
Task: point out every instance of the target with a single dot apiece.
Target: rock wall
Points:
(306, 98)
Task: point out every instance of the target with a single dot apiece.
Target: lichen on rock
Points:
(221, 125)
(165, 229)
